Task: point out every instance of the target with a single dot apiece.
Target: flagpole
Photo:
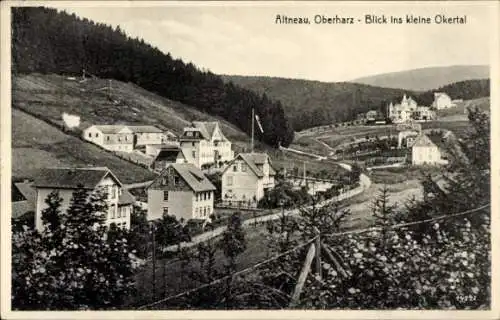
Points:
(253, 124)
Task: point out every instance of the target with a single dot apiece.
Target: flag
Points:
(71, 121)
(258, 123)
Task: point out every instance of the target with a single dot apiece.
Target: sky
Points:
(243, 38)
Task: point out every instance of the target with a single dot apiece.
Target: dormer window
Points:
(164, 181)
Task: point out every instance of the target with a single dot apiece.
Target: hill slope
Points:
(38, 102)
(36, 144)
(314, 103)
(48, 41)
(426, 78)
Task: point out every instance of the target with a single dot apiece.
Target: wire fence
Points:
(226, 278)
(163, 303)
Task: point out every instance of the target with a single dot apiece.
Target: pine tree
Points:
(383, 213)
(85, 267)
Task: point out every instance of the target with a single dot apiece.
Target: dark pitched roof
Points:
(27, 190)
(423, 141)
(17, 194)
(169, 154)
(193, 176)
(19, 208)
(126, 198)
(71, 178)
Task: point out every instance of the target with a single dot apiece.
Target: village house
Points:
(424, 114)
(67, 180)
(181, 190)
(126, 138)
(111, 137)
(204, 143)
(425, 152)
(372, 115)
(166, 156)
(442, 101)
(246, 178)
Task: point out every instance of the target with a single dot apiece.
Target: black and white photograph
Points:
(249, 156)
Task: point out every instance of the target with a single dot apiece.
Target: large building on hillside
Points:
(111, 137)
(125, 138)
(442, 101)
(181, 190)
(246, 178)
(402, 112)
(204, 143)
(67, 180)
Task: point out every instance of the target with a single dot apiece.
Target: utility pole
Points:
(318, 253)
(304, 164)
(253, 119)
(109, 88)
(153, 229)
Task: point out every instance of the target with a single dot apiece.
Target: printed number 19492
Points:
(466, 298)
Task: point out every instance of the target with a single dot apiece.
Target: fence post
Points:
(302, 277)
(318, 253)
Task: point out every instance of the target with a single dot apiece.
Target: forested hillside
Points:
(314, 103)
(424, 79)
(48, 41)
(466, 90)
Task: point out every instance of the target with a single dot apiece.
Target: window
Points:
(204, 196)
(196, 212)
(165, 211)
(113, 212)
(165, 195)
(176, 181)
(192, 143)
(90, 134)
(112, 192)
(119, 215)
(107, 138)
(193, 153)
(209, 195)
(96, 135)
(243, 167)
(235, 168)
(230, 180)
(124, 212)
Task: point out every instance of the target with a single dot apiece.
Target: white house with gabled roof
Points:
(65, 181)
(247, 177)
(442, 101)
(181, 190)
(111, 137)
